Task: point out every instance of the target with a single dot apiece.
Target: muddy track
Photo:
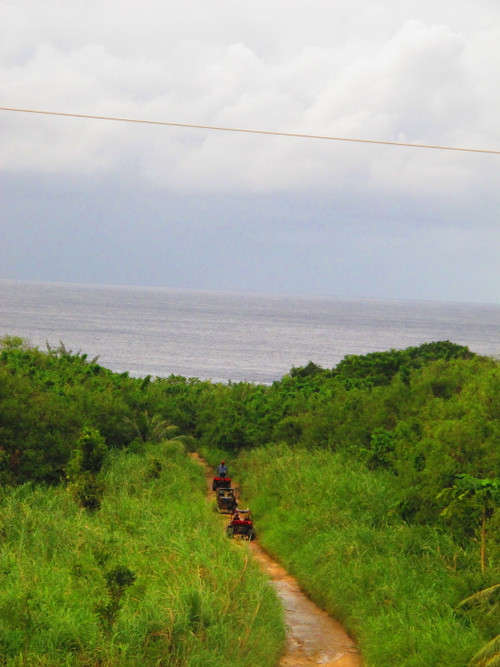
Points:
(313, 637)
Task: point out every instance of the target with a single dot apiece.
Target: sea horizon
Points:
(230, 336)
(339, 297)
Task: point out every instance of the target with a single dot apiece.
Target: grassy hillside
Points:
(149, 578)
(396, 585)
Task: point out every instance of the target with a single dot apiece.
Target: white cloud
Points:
(353, 69)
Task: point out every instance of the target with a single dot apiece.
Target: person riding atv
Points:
(222, 470)
(221, 480)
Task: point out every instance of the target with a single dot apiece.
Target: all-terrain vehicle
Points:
(221, 483)
(226, 500)
(241, 525)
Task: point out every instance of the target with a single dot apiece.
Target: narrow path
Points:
(313, 638)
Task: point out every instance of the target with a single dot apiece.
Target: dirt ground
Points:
(313, 637)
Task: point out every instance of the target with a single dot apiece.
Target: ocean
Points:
(228, 336)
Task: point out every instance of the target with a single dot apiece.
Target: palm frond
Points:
(481, 596)
(489, 655)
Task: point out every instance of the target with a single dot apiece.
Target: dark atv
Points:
(221, 483)
(241, 525)
(226, 500)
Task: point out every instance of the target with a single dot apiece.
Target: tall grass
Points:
(148, 579)
(395, 586)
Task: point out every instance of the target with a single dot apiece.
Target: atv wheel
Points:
(249, 536)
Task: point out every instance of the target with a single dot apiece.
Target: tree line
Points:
(428, 414)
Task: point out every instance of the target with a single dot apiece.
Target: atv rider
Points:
(222, 470)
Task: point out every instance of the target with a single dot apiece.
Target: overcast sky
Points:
(119, 203)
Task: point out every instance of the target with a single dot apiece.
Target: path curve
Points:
(313, 637)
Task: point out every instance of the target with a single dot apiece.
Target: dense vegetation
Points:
(111, 555)
(384, 469)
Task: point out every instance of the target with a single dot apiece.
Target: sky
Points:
(96, 201)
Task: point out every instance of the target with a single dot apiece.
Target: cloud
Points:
(354, 70)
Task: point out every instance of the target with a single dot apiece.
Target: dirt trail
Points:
(313, 638)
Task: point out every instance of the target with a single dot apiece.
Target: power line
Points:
(250, 131)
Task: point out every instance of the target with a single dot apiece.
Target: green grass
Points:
(191, 597)
(395, 586)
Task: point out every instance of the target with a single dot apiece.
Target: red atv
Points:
(221, 483)
(241, 524)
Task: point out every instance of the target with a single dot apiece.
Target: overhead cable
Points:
(253, 131)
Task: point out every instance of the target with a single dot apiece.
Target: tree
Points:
(484, 494)
(83, 470)
(151, 428)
